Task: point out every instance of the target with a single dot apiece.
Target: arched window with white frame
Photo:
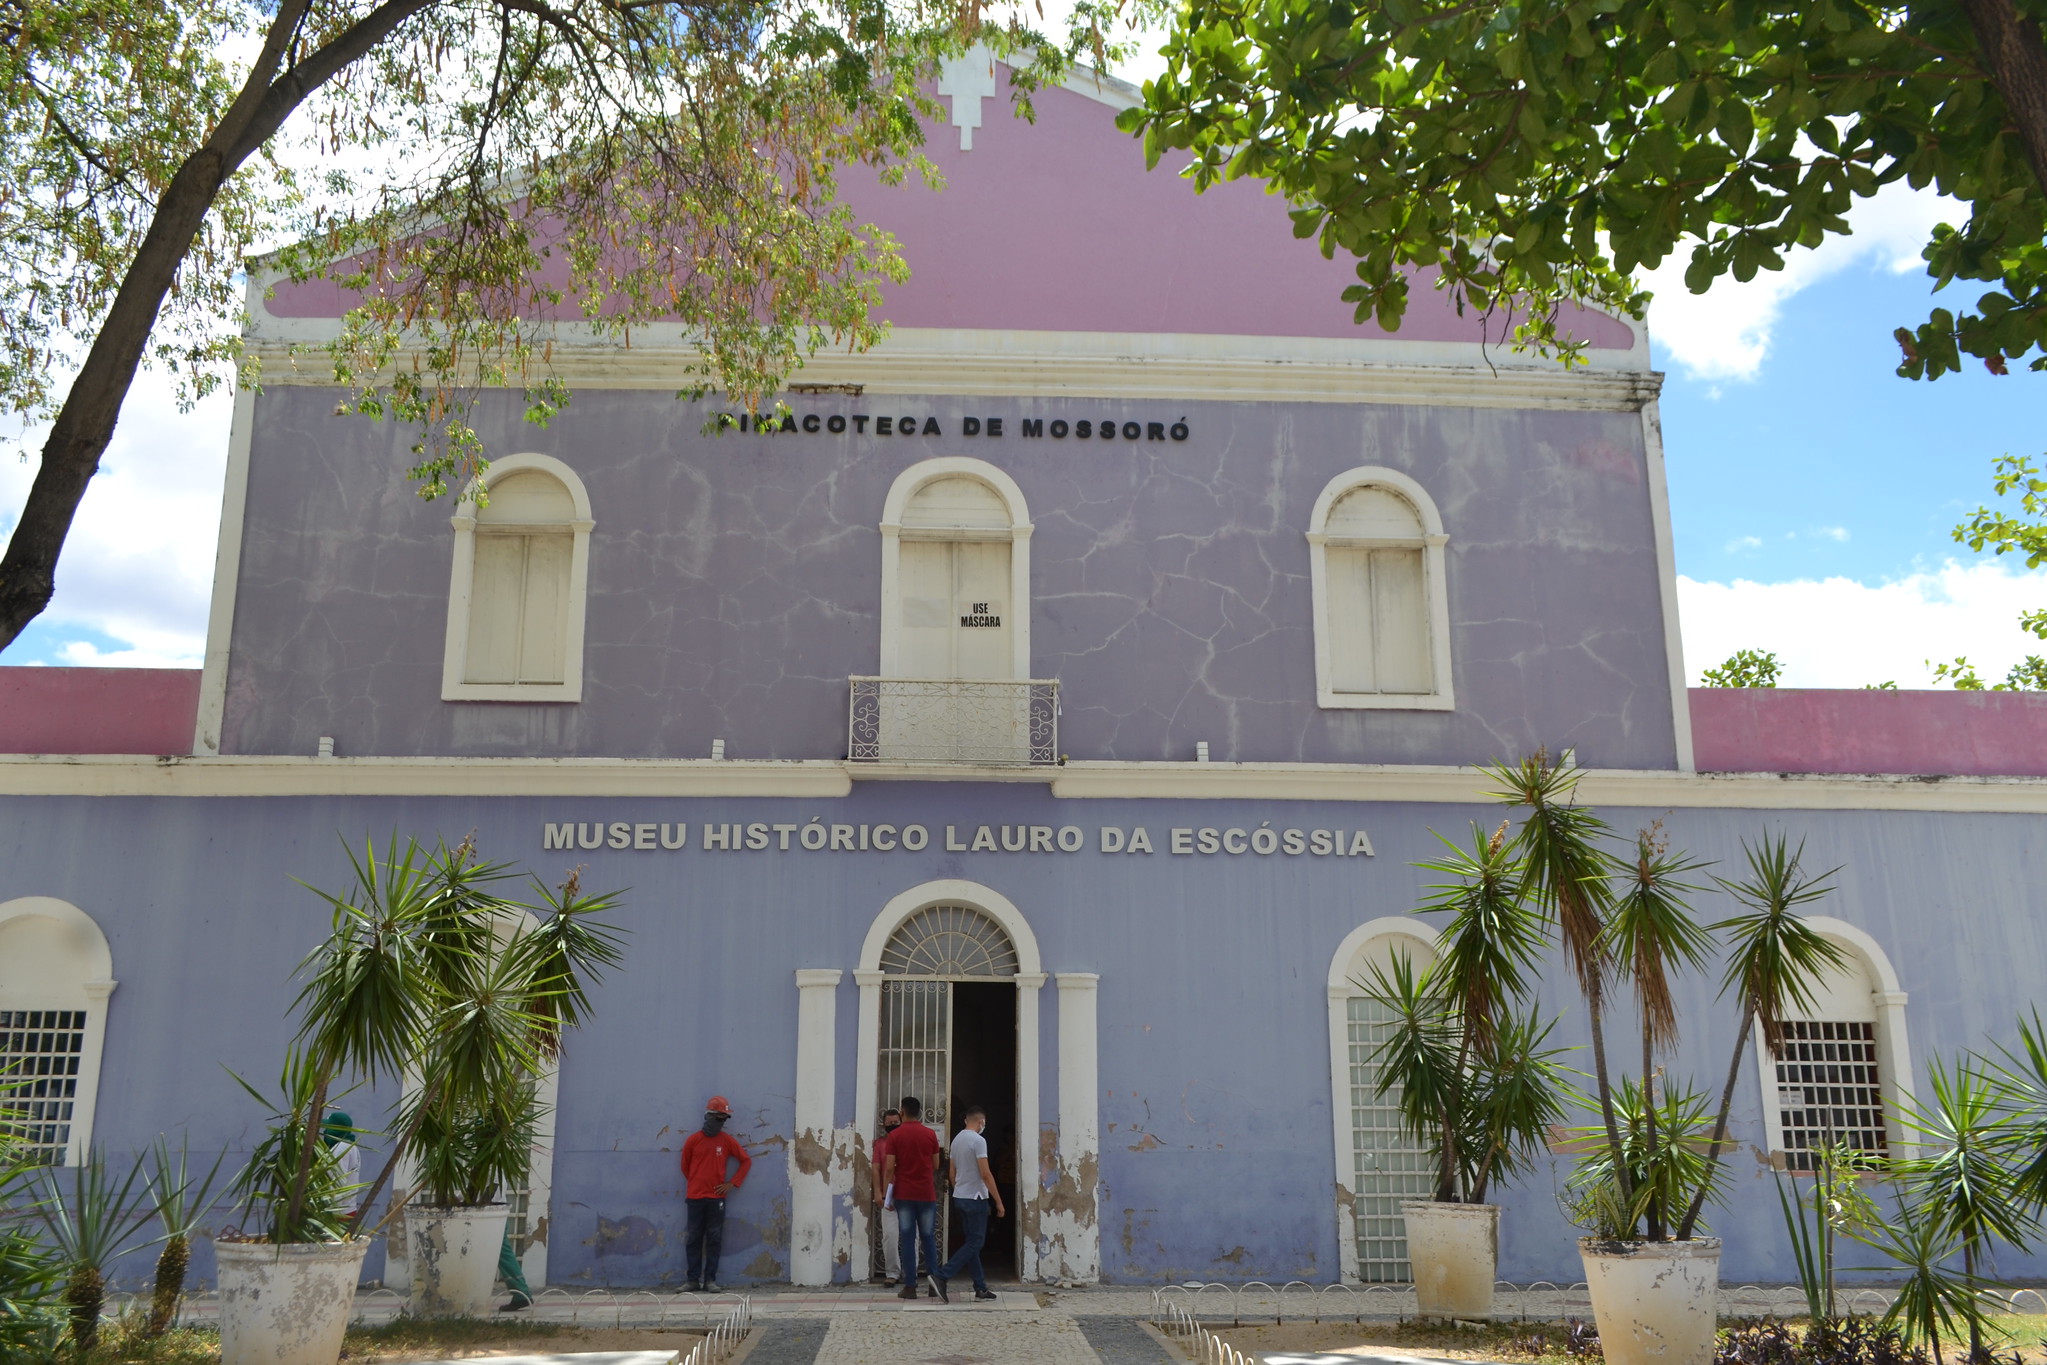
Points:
(1379, 1165)
(1842, 1072)
(516, 594)
(955, 573)
(1382, 613)
(56, 976)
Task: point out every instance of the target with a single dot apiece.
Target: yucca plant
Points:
(1775, 961)
(287, 1190)
(1628, 921)
(1662, 1162)
(180, 1200)
(1477, 1084)
(31, 1272)
(1569, 878)
(1932, 1300)
(1957, 1177)
(428, 975)
(90, 1219)
(1649, 934)
(2022, 1075)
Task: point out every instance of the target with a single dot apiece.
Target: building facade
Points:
(1048, 715)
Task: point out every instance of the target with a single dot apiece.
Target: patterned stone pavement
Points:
(964, 1337)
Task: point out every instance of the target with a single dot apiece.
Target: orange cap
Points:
(718, 1106)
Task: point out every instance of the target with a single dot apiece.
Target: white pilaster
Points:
(1339, 1111)
(866, 1119)
(1894, 1064)
(1666, 578)
(810, 1149)
(1076, 1239)
(1030, 1165)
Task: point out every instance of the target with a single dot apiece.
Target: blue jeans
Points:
(974, 1217)
(918, 1218)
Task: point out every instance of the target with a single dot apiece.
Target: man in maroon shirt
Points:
(912, 1169)
(706, 1157)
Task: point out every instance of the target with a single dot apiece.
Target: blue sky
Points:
(1826, 462)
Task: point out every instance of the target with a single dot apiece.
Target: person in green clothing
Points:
(514, 1276)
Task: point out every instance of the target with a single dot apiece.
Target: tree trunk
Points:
(314, 1119)
(1977, 1355)
(2015, 59)
(85, 423)
(84, 1293)
(1655, 1212)
(1748, 1023)
(1594, 1007)
(170, 1284)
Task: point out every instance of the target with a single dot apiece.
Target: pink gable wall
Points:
(98, 710)
(1056, 226)
(1973, 734)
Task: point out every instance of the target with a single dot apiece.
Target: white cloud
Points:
(1740, 543)
(1725, 333)
(1837, 632)
(138, 565)
(1837, 533)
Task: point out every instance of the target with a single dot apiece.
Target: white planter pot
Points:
(286, 1305)
(1453, 1249)
(454, 1258)
(1657, 1303)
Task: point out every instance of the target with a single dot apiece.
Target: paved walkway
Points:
(869, 1325)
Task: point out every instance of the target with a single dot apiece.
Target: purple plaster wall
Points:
(735, 582)
(1931, 733)
(97, 710)
(1214, 1060)
(1056, 226)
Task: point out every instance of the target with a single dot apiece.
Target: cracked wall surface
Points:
(1214, 1046)
(735, 581)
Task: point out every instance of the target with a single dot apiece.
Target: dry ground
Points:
(1530, 1343)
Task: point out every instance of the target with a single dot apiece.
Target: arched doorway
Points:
(948, 1035)
(1378, 1163)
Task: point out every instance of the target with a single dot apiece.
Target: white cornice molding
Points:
(123, 775)
(1604, 787)
(119, 775)
(1077, 365)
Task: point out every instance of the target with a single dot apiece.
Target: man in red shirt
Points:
(706, 1156)
(912, 1170)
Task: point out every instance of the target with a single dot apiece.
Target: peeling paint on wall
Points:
(812, 1156)
(631, 1235)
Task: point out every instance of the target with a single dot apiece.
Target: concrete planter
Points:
(1453, 1249)
(454, 1258)
(1657, 1303)
(286, 1305)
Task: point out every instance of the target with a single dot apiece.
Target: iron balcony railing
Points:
(953, 720)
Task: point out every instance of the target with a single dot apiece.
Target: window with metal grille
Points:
(39, 1052)
(1828, 1089)
(1388, 1166)
(949, 941)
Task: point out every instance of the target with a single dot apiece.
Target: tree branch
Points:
(2010, 46)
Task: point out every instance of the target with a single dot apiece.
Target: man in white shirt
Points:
(973, 1190)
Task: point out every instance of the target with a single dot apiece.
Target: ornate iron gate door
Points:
(916, 1059)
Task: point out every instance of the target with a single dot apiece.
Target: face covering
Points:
(713, 1124)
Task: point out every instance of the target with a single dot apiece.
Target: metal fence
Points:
(953, 720)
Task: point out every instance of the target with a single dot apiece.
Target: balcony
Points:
(953, 720)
